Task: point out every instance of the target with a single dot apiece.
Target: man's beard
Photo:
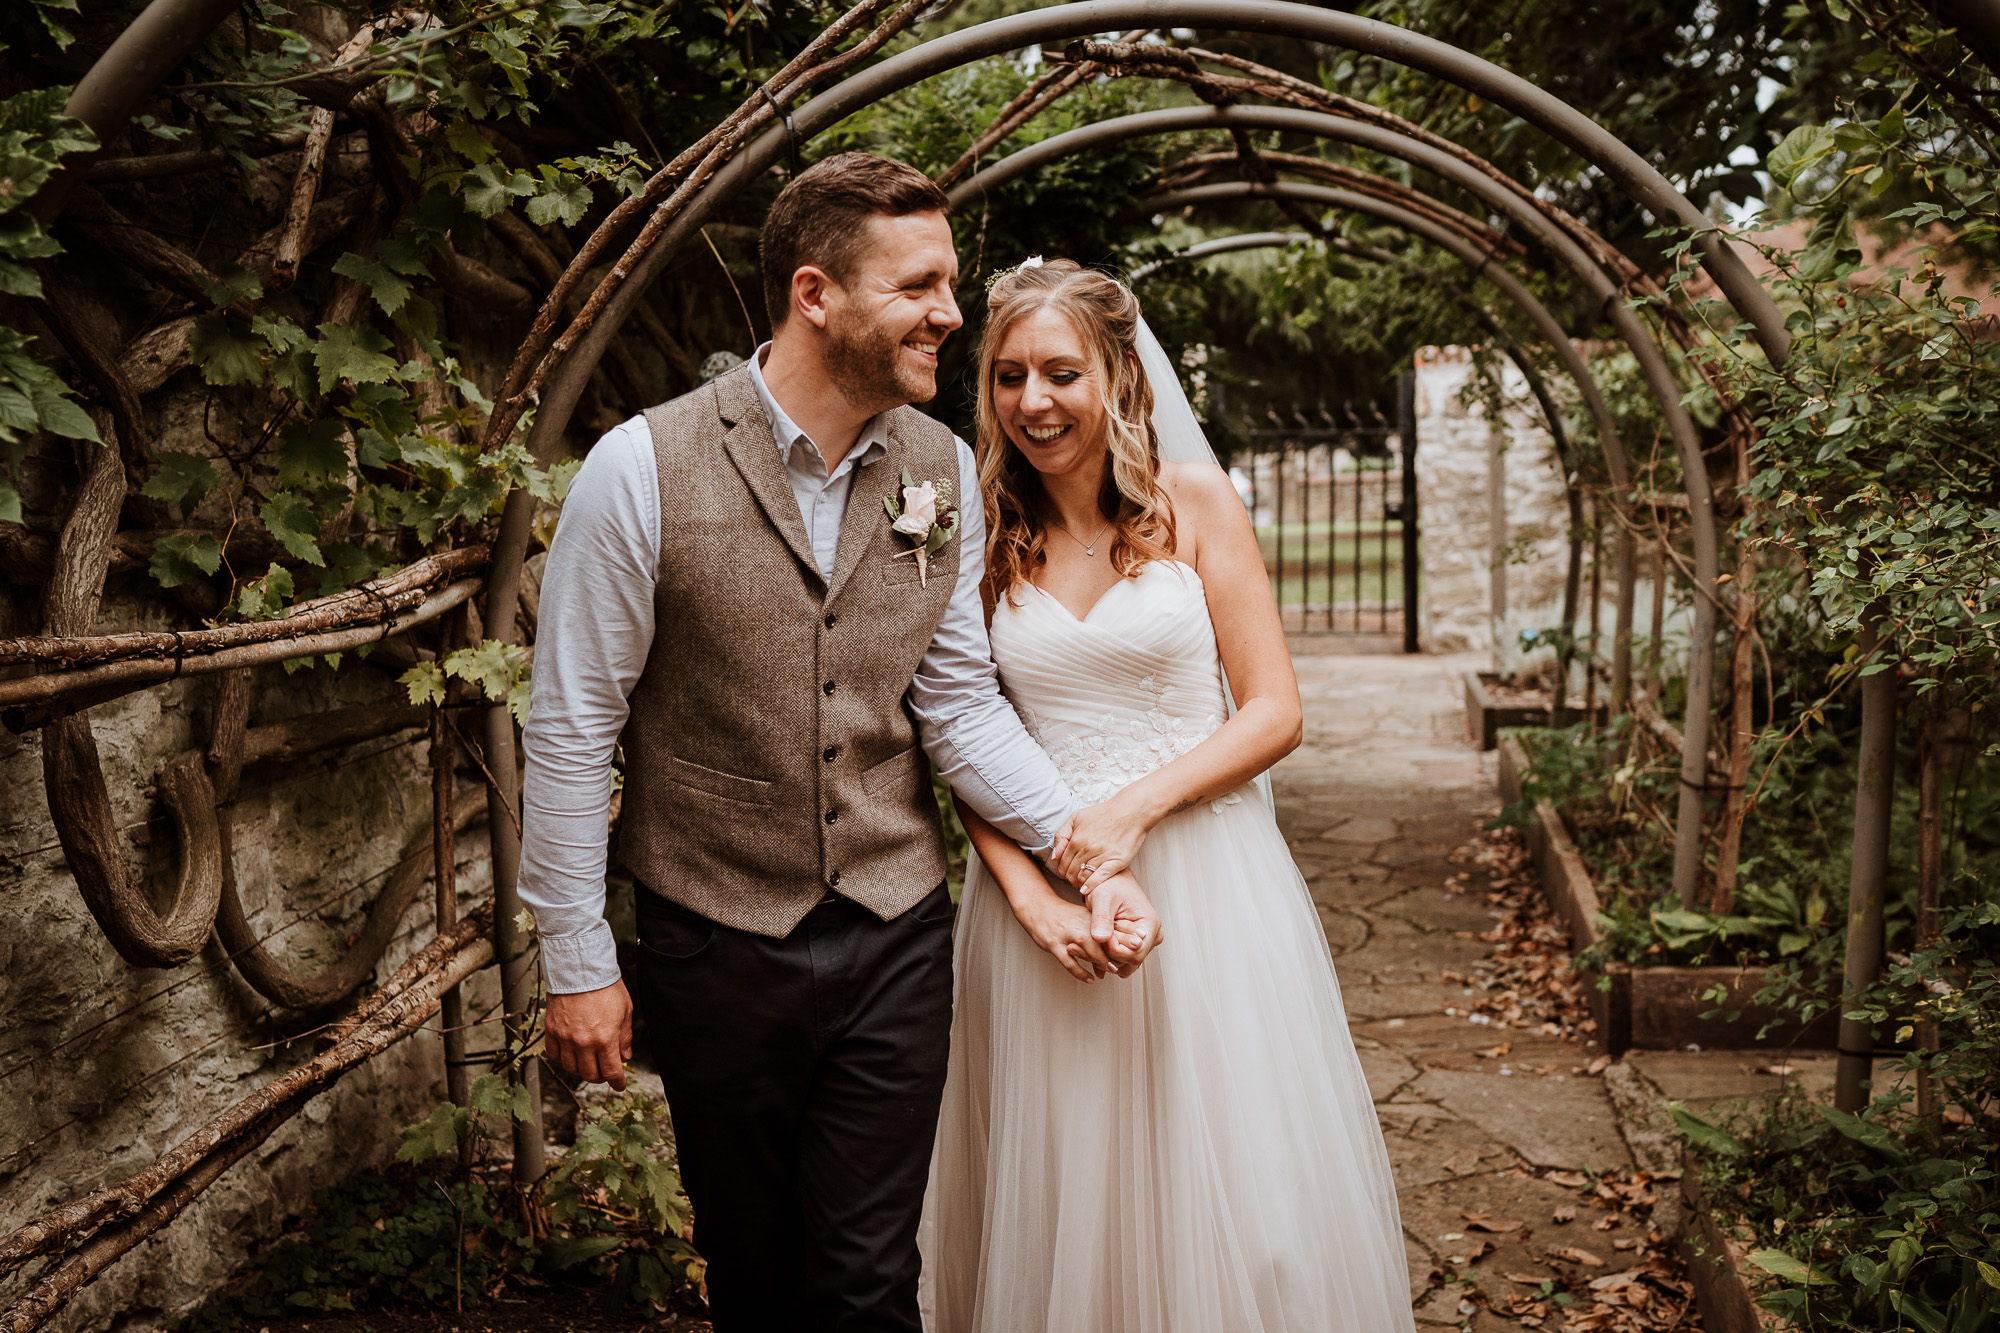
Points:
(867, 365)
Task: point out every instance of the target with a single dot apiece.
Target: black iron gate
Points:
(1332, 496)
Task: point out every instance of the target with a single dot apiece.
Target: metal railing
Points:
(1332, 497)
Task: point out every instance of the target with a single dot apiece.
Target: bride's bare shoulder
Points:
(1198, 483)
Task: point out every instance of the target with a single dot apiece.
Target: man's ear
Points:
(810, 291)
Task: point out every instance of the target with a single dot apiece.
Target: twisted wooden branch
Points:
(140, 1205)
(266, 975)
(539, 355)
(1026, 105)
(305, 186)
(115, 678)
(128, 71)
(367, 603)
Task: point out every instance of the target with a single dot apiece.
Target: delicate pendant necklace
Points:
(1089, 547)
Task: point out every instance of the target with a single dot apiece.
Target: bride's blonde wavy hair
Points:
(1018, 510)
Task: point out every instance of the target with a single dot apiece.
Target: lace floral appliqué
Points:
(1098, 761)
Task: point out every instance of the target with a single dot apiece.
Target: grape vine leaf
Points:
(225, 350)
(182, 557)
(311, 451)
(292, 521)
(183, 479)
(348, 352)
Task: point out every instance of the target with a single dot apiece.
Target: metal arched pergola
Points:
(1622, 166)
(1604, 291)
(1551, 415)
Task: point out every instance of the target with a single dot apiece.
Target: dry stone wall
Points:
(1467, 537)
(103, 1066)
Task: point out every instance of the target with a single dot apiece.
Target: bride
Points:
(1192, 1150)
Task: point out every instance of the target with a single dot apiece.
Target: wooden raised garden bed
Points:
(1715, 1264)
(1491, 704)
(1649, 1008)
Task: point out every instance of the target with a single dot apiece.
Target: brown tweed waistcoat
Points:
(769, 754)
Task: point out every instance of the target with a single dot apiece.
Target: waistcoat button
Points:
(832, 752)
(834, 878)
(832, 816)
(828, 687)
(830, 620)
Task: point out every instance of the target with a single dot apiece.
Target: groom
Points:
(727, 598)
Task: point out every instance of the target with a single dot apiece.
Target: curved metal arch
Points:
(1263, 240)
(1637, 178)
(1660, 380)
(1646, 350)
(1222, 245)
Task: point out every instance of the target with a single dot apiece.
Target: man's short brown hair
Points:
(818, 218)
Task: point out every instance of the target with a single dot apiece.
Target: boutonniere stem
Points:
(923, 512)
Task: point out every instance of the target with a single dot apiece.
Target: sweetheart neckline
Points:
(1084, 619)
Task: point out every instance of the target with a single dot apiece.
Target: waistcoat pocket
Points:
(749, 791)
(896, 774)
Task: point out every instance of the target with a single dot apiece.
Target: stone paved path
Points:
(1381, 792)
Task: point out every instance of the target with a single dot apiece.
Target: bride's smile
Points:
(1046, 393)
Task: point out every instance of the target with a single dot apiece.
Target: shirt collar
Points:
(874, 439)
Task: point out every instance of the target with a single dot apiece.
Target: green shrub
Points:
(1889, 1219)
(610, 1216)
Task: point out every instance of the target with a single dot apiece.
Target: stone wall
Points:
(1494, 557)
(103, 1066)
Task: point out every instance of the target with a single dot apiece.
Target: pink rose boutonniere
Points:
(923, 512)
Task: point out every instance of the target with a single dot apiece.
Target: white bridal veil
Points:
(1182, 440)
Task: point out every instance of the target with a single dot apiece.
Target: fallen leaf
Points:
(1566, 1213)
(1608, 1223)
(1571, 1179)
(1483, 1222)
(1777, 1071)
(1597, 1066)
(1613, 1281)
(1576, 1254)
(1626, 1243)
(1527, 1279)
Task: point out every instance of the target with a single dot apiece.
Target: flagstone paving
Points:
(1383, 789)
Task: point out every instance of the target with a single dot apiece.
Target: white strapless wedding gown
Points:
(1192, 1150)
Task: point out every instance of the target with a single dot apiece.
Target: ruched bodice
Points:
(1129, 688)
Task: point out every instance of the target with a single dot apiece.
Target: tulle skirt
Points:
(1192, 1150)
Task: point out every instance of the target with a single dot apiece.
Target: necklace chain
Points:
(1089, 547)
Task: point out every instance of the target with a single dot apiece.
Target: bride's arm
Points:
(1269, 721)
(1055, 924)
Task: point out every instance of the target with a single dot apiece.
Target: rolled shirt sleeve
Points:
(969, 729)
(594, 632)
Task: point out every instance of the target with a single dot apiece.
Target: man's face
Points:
(886, 322)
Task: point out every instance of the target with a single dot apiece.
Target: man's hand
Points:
(588, 1035)
(1123, 923)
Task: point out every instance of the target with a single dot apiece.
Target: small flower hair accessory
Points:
(1032, 261)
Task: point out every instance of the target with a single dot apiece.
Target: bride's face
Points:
(1048, 394)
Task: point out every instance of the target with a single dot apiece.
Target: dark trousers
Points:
(804, 1076)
